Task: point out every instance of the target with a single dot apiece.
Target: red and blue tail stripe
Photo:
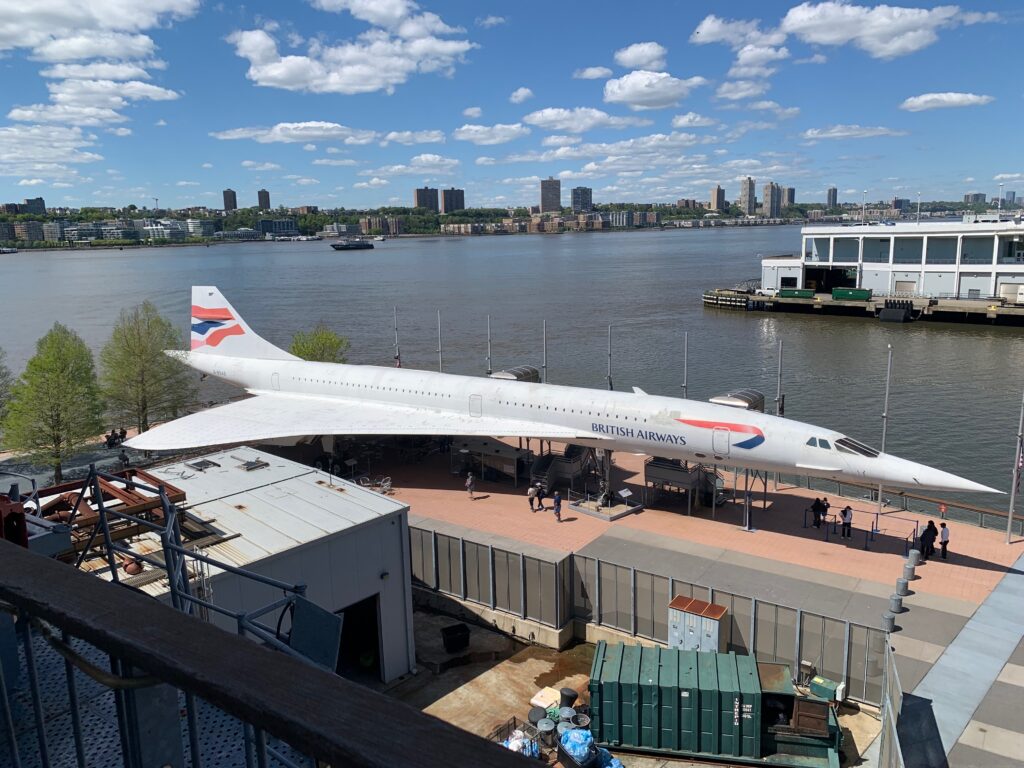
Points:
(752, 442)
(211, 325)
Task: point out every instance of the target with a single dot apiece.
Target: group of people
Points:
(536, 494)
(929, 536)
(820, 508)
(116, 437)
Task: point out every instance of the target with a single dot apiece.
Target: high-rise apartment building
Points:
(425, 198)
(551, 195)
(453, 200)
(771, 200)
(974, 198)
(832, 198)
(789, 196)
(717, 202)
(34, 205)
(748, 197)
(230, 200)
(264, 199)
(1010, 198)
(582, 199)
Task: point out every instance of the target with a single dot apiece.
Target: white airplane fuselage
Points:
(634, 422)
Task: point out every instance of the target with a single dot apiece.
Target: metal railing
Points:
(106, 670)
(890, 751)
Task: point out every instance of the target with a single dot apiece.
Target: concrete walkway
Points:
(966, 675)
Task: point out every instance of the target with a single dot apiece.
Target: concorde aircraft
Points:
(294, 398)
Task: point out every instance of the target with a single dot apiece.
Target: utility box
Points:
(694, 625)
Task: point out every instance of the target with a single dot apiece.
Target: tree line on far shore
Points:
(59, 403)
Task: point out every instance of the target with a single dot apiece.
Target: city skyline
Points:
(769, 90)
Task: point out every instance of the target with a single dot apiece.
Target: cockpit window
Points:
(823, 443)
(852, 446)
(813, 442)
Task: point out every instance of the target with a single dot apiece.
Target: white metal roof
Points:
(266, 510)
(906, 228)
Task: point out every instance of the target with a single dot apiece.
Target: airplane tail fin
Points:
(218, 329)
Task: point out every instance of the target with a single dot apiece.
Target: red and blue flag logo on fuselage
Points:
(211, 326)
(752, 442)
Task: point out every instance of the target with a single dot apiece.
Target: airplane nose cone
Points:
(909, 474)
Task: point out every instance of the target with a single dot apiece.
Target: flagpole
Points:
(398, 351)
(885, 417)
(1018, 455)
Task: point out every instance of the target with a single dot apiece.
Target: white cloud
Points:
(741, 89)
(579, 119)
(692, 120)
(309, 147)
(89, 102)
(519, 95)
(206, 165)
(425, 164)
(884, 31)
(186, 184)
(472, 112)
(560, 141)
(374, 182)
(491, 134)
(120, 131)
(484, 160)
(592, 73)
(734, 33)
(850, 132)
(305, 181)
(818, 58)
(487, 22)
(1007, 177)
(648, 55)
(413, 137)
(968, 180)
(66, 113)
(99, 70)
(160, 123)
(293, 133)
(400, 43)
(341, 162)
(252, 165)
(779, 110)
(44, 150)
(942, 100)
(93, 45)
(649, 90)
(754, 60)
(30, 182)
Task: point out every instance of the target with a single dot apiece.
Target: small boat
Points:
(351, 245)
(380, 238)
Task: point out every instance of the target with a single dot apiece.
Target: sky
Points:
(354, 103)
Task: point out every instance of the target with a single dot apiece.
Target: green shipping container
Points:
(851, 294)
(796, 293)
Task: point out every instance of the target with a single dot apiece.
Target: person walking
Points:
(470, 484)
(817, 508)
(824, 510)
(540, 497)
(531, 496)
(928, 537)
(556, 505)
(943, 539)
(847, 517)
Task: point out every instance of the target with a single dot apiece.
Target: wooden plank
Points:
(321, 714)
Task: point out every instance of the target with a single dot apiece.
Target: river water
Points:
(955, 393)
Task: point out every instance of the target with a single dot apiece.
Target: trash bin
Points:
(455, 638)
(568, 697)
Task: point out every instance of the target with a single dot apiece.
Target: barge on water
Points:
(352, 245)
(701, 705)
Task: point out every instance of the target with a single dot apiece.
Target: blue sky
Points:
(355, 103)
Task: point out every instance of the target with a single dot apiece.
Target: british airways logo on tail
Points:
(752, 442)
(211, 326)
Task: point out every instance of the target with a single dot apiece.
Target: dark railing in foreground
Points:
(316, 713)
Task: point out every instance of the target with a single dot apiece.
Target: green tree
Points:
(55, 406)
(6, 381)
(140, 382)
(321, 344)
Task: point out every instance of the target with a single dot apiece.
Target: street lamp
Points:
(918, 207)
(864, 207)
(999, 203)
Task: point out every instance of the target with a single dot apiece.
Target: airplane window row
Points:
(572, 410)
(372, 386)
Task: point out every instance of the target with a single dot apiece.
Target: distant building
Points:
(383, 225)
(832, 198)
(771, 200)
(305, 210)
(748, 197)
(1011, 198)
(264, 200)
(33, 205)
(974, 198)
(200, 227)
(789, 196)
(6, 231)
(53, 231)
(9, 208)
(426, 198)
(582, 199)
(230, 200)
(334, 229)
(28, 231)
(277, 227)
(453, 200)
(82, 231)
(900, 204)
(685, 202)
(622, 218)
(242, 233)
(551, 195)
(717, 202)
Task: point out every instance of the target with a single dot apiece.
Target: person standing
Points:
(816, 509)
(540, 497)
(531, 496)
(556, 505)
(928, 537)
(824, 510)
(943, 539)
(470, 484)
(847, 517)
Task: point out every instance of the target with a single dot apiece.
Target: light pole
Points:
(1015, 479)
(999, 203)
(918, 207)
(864, 207)
(885, 416)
